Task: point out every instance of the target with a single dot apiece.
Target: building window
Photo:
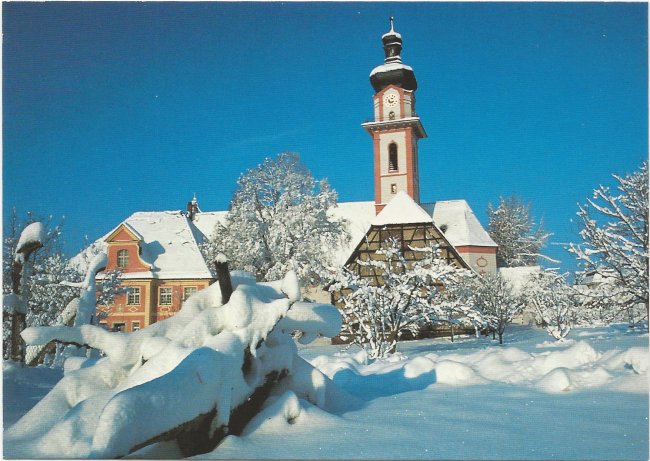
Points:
(393, 188)
(391, 115)
(119, 326)
(188, 291)
(133, 296)
(165, 296)
(122, 258)
(135, 325)
(392, 157)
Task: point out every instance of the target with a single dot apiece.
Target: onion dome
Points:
(393, 71)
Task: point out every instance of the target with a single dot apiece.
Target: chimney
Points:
(192, 208)
(190, 211)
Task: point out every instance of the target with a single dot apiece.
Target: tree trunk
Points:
(452, 333)
(500, 338)
(494, 334)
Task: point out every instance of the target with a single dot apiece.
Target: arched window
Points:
(392, 157)
(122, 258)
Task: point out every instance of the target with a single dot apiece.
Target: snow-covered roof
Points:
(206, 221)
(357, 216)
(170, 240)
(389, 66)
(463, 228)
(402, 209)
(459, 224)
(170, 244)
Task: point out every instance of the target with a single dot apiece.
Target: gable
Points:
(413, 235)
(123, 233)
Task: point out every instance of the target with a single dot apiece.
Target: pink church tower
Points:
(396, 128)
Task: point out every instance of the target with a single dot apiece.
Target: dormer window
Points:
(392, 157)
(122, 258)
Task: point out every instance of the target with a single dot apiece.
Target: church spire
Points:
(392, 72)
(392, 44)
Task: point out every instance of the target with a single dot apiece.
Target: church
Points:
(158, 252)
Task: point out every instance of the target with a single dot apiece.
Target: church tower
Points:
(396, 128)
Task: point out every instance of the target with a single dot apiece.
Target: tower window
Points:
(393, 188)
(122, 258)
(391, 115)
(392, 157)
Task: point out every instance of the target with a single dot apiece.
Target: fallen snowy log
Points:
(192, 378)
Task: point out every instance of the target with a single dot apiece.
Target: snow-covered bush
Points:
(403, 296)
(615, 245)
(278, 221)
(513, 228)
(497, 303)
(191, 378)
(554, 303)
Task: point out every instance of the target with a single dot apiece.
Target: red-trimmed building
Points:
(161, 263)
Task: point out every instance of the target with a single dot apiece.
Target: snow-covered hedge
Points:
(155, 384)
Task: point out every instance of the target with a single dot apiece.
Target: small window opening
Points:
(392, 157)
(122, 258)
(393, 188)
(391, 115)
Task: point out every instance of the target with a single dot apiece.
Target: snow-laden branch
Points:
(615, 245)
(178, 379)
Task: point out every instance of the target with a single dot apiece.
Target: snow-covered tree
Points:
(278, 221)
(50, 281)
(615, 243)
(189, 380)
(497, 302)
(458, 301)
(409, 293)
(513, 228)
(555, 304)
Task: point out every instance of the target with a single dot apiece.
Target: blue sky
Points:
(111, 108)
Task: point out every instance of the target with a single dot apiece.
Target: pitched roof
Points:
(170, 244)
(206, 221)
(461, 227)
(357, 216)
(402, 209)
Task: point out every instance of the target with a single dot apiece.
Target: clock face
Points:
(390, 100)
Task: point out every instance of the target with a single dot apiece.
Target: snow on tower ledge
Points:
(402, 209)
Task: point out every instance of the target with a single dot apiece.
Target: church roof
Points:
(455, 216)
(460, 225)
(402, 209)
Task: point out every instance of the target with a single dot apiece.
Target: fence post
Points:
(223, 275)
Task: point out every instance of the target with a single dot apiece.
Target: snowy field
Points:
(532, 398)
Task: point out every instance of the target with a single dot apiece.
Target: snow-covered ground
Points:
(532, 398)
